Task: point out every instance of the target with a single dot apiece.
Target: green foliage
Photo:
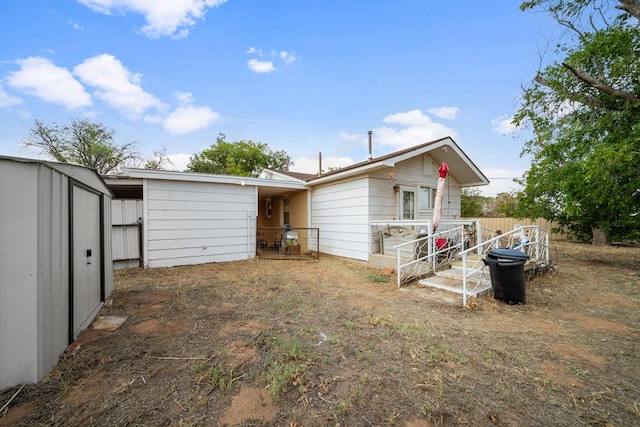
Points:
(585, 116)
(471, 202)
(82, 142)
(240, 158)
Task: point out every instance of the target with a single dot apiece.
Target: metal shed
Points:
(55, 261)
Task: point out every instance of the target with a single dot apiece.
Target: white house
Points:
(191, 218)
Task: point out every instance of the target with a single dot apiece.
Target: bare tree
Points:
(82, 142)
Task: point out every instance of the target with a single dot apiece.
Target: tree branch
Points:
(632, 7)
(590, 81)
(582, 98)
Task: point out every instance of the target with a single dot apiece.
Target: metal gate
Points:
(126, 218)
(288, 243)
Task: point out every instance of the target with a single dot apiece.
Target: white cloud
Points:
(184, 98)
(75, 25)
(447, 113)
(503, 125)
(41, 78)
(307, 165)
(267, 65)
(408, 129)
(7, 100)
(179, 161)
(350, 136)
(164, 18)
(287, 57)
(116, 85)
(187, 119)
(260, 66)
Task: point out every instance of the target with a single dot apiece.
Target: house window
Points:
(427, 198)
(408, 203)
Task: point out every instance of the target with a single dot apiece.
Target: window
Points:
(408, 203)
(427, 198)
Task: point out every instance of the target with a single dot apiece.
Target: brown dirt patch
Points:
(250, 404)
(576, 352)
(559, 375)
(326, 343)
(595, 324)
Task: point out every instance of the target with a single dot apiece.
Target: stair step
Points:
(455, 285)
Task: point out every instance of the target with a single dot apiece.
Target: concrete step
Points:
(455, 285)
(457, 273)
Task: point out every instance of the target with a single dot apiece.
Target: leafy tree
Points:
(585, 116)
(503, 205)
(471, 203)
(82, 142)
(241, 158)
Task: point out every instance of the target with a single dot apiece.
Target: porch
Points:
(452, 259)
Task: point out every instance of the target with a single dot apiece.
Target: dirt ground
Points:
(334, 343)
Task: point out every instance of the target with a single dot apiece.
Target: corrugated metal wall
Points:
(126, 217)
(35, 258)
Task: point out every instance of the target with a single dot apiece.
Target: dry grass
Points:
(332, 343)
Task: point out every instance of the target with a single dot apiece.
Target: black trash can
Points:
(506, 267)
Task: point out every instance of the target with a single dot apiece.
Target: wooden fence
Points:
(506, 224)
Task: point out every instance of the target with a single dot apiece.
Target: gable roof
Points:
(461, 168)
(80, 173)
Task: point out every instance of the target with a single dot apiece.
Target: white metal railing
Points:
(427, 253)
(459, 240)
(532, 240)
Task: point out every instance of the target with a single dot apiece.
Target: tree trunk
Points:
(600, 237)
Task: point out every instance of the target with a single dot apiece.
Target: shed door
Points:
(86, 257)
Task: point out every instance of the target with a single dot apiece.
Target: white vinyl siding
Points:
(196, 222)
(341, 212)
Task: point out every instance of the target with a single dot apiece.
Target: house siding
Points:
(194, 222)
(341, 212)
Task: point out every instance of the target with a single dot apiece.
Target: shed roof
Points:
(83, 174)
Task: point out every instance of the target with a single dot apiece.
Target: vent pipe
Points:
(319, 163)
(370, 145)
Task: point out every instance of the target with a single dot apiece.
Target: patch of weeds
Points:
(280, 376)
(333, 340)
(392, 415)
(547, 383)
(284, 364)
(349, 324)
(378, 278)
(221, 377)
(342, 407)
(442, 353)
(286, 305)
(578, 372)
(364, 355)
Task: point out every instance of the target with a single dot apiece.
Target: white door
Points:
(87, 254)
(407, 203)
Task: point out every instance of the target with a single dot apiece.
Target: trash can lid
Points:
(508, 253)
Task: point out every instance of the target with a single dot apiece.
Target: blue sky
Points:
(303, 76)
